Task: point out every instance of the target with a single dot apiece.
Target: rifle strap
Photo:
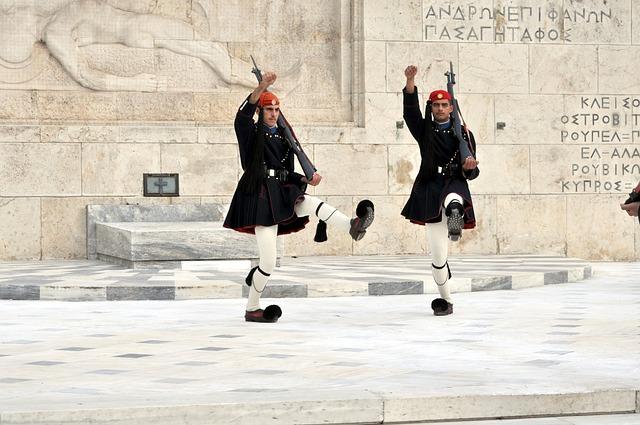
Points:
(466, 129)
(295, 138)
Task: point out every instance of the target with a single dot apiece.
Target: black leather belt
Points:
(449, 170)
(280, 174)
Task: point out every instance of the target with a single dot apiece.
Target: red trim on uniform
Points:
(289, 219)
(251, 229)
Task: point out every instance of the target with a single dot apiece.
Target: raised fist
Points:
(410, 72)
(268, 78)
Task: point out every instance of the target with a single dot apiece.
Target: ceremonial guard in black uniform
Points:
(270, 199)
(440, 188)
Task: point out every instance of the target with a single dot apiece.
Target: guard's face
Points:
(441, 109)
(270, 114)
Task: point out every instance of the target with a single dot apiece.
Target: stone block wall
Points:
(548, 88)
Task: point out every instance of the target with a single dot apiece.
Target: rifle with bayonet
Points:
(307, 167)
(456, 116)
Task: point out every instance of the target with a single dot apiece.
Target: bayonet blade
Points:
(255, 69)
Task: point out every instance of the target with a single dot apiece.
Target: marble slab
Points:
(173, 241)
(396, 288)
(146, 213)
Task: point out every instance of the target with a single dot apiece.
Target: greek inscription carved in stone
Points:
(504, 24)
(604, 127)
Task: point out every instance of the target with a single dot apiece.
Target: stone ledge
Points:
(360, 408)
(465, 407)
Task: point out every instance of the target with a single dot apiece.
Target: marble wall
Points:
(547, 87)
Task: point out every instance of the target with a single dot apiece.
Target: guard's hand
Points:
(268, 78)
(631, 209)
(470, 163)
(315, 180)
(410, 72)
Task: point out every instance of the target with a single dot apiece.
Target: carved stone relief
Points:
(136, 45)
(64, 26)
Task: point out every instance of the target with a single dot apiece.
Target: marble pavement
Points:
(541, 351)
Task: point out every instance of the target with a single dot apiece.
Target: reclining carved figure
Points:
(65, 26)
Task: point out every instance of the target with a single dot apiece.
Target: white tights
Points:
(438, 236)
(267, 237)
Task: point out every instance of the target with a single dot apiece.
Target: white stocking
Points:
(326, 213)
(438, 236)
(267, 238)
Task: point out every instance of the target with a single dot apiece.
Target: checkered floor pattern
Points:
(295, 277)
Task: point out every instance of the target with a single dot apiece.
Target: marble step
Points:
(307, 277)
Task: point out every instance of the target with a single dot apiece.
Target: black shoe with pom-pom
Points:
(270, 314)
